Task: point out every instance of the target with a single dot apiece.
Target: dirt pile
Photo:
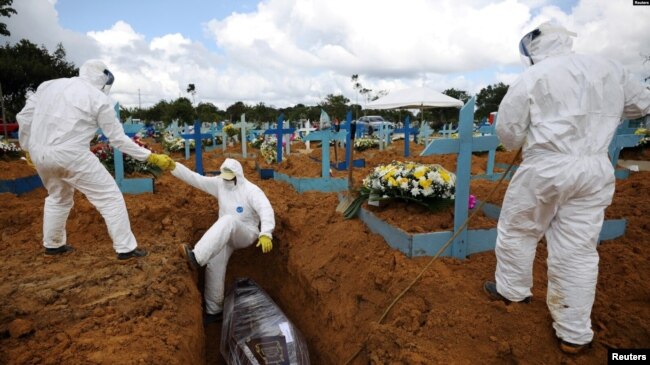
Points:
(332, 277)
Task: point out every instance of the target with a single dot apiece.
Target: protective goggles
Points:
(109, 81)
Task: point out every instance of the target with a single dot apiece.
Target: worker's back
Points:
(576, 103)
(65, 114)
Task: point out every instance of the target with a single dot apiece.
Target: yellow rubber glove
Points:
(163, 161)
(28, 159)
(266, 243)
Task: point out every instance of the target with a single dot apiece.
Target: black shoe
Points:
(59, 250)
(132, 254)
(572, 348)
(187, 253)
(490, 288)
(212, 318)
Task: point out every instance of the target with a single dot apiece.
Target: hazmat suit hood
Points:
(97, 74)
(546, 41)
(235, 167)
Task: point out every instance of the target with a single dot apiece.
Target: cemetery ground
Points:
(332, 277)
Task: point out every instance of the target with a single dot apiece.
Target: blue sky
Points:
(151, 18)
(285, 52)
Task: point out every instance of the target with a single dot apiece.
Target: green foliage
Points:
(24, 66)
(235, 111)
(182, 110)
(207, 112)
(335, 106)
(488, 100)
(6, 10)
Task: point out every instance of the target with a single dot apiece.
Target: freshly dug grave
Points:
(332, 277)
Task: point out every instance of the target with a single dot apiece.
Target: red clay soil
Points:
(332, 277)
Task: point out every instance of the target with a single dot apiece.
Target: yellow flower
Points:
(445, 175)
(420, 171)
(391, 181)
(425, 183)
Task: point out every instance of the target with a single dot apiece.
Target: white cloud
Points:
(286, 52)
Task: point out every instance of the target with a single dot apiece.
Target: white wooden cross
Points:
(304, 131)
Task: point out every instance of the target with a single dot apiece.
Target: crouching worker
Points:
(245, 216)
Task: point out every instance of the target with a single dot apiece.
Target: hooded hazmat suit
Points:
(245, 213)
(56, 126)
(564, 111)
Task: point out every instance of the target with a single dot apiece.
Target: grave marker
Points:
(198, 153)
(279, 131)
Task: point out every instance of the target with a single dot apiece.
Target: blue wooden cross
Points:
(129, 186)
(463, 146)
(325, 136)
(424, 136)
(197, 136)
(279, 131)
(407, 130)
(383, 133)
(214, 130)
(472, 241)
(349, 144)
(446, 130)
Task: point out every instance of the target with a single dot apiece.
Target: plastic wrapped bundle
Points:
(256, 332)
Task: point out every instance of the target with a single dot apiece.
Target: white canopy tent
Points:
(414, 98)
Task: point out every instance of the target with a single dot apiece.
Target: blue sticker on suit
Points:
(240, 209)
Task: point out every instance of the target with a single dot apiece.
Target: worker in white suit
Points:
(245, 216)
(56, 126)
(563, 111)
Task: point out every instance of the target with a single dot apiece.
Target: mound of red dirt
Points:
(332, 277)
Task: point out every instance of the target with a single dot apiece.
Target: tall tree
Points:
(24, 66)
(6, 10)
(335, 106)
(182, 110)
(207, 112)
(449, 115)
(235, 111)
(489, 98)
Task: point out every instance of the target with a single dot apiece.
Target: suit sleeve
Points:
(637, 98)
(513, 119)
(204, 183)
(264, 210)
(24, 119)
(112, 128)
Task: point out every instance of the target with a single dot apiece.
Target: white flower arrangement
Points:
(9, 150)
(174, 144)
(364, 143)
(268, 149)
(429, 185)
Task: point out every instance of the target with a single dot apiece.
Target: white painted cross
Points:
(304, 131)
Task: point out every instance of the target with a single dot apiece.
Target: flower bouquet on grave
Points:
(257, 142)
(174, 144)
(10, 151)
(364, 143)
(268, 149)
(104, 153)
(431, 186)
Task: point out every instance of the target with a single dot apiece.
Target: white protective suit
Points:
(245, 213)
(56, 126)
(564, 110)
